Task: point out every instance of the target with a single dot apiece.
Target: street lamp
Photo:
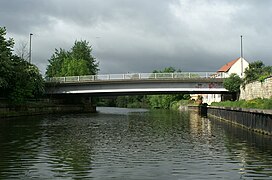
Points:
(242, 68)
(30, 47)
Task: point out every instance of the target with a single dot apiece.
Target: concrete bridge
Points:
(136, 83)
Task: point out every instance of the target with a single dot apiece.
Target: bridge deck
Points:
(133, 77)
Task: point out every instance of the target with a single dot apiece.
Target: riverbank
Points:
(258, 103)
(39, 108)
(258, 120)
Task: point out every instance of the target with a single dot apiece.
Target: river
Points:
(121, 143)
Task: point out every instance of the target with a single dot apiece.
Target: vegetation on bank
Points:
(162, 101)
(19, 79)
(256, 71)
(254, 103)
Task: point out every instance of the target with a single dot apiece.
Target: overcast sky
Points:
(144, 35)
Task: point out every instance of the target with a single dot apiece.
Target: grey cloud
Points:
(143, 35)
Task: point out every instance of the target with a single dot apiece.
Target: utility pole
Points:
(242, 58)
(30, 47)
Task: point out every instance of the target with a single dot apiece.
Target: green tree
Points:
(5, 59)
(78, 61)
(233, 83)
(82, 51)
(26, 81)
(19, 80)
(165, 101)
(257, 71)
(74, 67)
(56, 61)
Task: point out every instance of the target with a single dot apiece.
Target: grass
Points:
(254, 103)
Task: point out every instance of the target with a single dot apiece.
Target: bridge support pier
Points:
(75, 102)
(88, 105)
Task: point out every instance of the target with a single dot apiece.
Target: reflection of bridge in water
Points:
(137, 83)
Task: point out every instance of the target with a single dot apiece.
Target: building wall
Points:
(257, 90)
(236, 68)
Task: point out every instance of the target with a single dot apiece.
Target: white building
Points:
(237, 66)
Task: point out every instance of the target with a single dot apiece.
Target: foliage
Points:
(233, 83)
(257, 71)
(165, 101)
(19, 79)
(167, 70)
(254, 103)
(5, 59)
(78, 61)
(137, 101)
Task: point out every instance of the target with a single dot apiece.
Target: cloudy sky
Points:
(144, 35)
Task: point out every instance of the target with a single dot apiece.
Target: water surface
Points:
(131, 144)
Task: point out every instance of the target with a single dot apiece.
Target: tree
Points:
(233, 83)
(165, 101)
(19, 80)
(5, 59)
(22, 50)
(76, 62)
(257, 71)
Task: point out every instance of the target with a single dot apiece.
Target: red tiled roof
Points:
(227, 66)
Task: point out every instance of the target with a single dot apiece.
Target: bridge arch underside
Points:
(137, 88)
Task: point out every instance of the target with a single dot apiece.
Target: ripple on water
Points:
(131, 144)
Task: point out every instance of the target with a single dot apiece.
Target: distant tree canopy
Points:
(257, 71)
(19, 80)
(165, 101)
(167, 70)
(76, 62)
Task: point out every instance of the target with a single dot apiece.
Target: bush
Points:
(258, 103)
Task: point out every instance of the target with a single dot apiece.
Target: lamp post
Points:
(30, 47)
(242, 68)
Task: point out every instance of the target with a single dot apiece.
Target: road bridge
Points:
(137, 83)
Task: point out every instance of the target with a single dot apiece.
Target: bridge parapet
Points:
(132, 77)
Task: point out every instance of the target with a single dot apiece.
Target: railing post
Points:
(206, 75)
(155, 75)
(189, 75)
(108, 76)
(64, 79)
(123, 76)
(172, 75)
(140, 76)
(78, 79)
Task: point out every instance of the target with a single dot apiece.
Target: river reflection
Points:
(131, 144)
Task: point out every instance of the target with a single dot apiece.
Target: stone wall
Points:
(257, 90)
(29, 110)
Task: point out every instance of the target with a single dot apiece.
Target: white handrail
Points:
(132, 76)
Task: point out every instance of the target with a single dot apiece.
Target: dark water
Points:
(131, 144)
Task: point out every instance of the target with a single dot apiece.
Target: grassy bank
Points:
(254, 103)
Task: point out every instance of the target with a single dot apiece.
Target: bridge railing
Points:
(132, 76)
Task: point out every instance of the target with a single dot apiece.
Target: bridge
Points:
(136, 83)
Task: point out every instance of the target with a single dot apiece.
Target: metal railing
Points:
(132, 76)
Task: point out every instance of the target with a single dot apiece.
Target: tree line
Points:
(19, 80)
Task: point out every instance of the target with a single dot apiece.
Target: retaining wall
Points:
(257, 90)
(252, 119)
(27, 110)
